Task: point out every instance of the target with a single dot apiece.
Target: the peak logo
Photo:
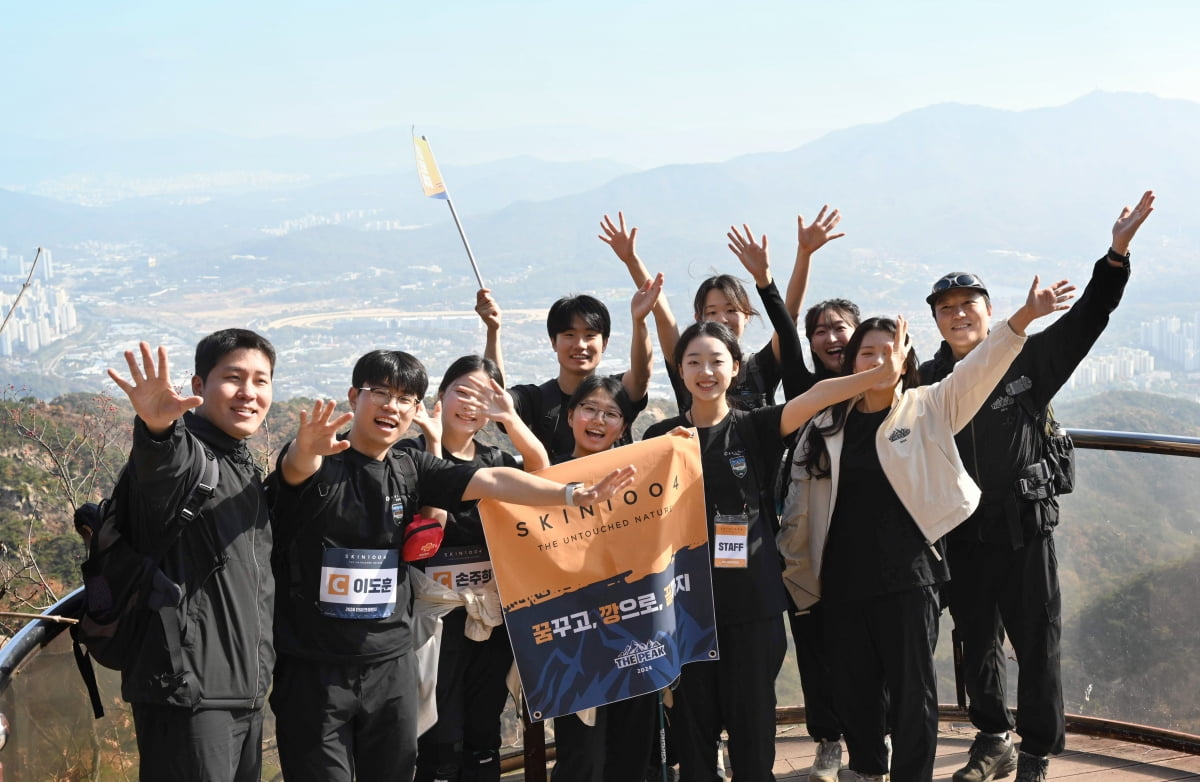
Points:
(638, 653)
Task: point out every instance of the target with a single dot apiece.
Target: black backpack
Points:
(122, 586)
(1054, 475)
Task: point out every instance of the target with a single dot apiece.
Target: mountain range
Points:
(946, 187)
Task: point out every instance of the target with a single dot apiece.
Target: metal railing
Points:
(47, 730)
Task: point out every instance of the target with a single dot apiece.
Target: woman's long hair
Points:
(813, 454)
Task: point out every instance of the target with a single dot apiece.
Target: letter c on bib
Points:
(339, 584)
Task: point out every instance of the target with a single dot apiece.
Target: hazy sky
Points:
(646, 83)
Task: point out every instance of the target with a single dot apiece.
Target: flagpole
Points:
(466, 244)
(435, 187)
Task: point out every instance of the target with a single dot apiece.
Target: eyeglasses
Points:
(957, 281)
(381, 396)
(607, 416)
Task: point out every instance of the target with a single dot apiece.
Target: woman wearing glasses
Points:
(613, 747)
(345, 692)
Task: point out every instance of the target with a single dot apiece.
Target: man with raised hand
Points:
(197, 688)
(1003, 569)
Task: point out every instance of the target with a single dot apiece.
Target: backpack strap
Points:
(197, 495)
(83, 661)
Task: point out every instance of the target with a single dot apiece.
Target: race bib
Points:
(731, 543)
(459, 567)
(358, 583)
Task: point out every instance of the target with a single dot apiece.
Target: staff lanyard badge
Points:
(731, 540)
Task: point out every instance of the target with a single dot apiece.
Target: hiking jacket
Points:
(916, 450)
(1003, 438)
(222, 560)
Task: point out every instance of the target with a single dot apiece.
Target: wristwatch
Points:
(1116, 257)
(569, 493)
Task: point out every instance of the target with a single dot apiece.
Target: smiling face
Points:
(596, 422)
(458, 414)
(832, 331)
(876, 347)
(720, 308)
(708, 368)
(963, 317)
(237, 392)
(579, 348)
(379, 423)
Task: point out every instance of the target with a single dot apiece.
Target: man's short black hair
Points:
(214, 347)
(590, 310)
(397, 370)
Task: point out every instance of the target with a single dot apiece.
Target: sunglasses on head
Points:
(957, 281)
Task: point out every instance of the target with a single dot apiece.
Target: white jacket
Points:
(918, 455)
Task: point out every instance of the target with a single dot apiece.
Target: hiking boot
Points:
(849, 775)
(991, 757)
(1031, 768)
(827, 762)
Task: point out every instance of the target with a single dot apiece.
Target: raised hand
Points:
(622, 241)
(317, 435)
(487, 309)
(155, 400)
(1130, 221)
(752, 254)
(646, 297)
(606, 487)
(1053, 298)
(897, 359)
(500, 406)
(487, 399)
(1040, 302)
(810, 238)
(430, 424)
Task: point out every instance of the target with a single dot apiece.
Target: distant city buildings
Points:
(1173, 339)
(44, 313)
(1119, 366)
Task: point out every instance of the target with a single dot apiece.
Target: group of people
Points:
(875, 493)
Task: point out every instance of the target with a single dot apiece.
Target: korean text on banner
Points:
(608, 601)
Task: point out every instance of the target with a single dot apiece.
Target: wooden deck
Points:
(1086, 758)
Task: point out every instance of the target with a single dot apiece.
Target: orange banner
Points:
(608, 601)
(539, 553)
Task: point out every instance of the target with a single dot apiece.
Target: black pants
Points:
(471, 693)
(737, 693)
(209, 745)
(612, 750)
(335, 723)
(809, 638)
(995, 589)
(880, 654)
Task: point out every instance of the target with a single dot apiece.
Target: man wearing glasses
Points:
(1003, 570)
(345, 690)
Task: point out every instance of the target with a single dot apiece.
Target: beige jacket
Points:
(917, 453)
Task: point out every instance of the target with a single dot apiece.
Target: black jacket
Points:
(1002, 438)
(222, 559)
